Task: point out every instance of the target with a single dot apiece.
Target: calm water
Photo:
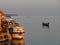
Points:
(36, 34)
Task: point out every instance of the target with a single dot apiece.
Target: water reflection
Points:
(4, 43)
(13, 42)
(47, 27)
(18, 42)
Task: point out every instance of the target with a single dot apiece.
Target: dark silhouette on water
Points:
(45, 24)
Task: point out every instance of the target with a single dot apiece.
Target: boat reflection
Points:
(4, 43)
(18, 42)
(13, 42)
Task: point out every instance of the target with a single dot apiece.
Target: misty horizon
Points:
(31, 7)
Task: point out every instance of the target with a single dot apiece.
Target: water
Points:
(13, 42)
(36, 34)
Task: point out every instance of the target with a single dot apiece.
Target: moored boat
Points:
(9, 28)
(18, 32)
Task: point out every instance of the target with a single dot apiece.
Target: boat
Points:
(18, 42)
(18, 32)
(9, 28)
(3, 32)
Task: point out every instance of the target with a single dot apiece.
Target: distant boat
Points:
(45, 24)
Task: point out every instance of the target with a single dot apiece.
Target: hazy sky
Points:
(31, 7)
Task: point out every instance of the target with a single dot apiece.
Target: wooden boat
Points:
(8, 28)
(18, 32)
(3, 34)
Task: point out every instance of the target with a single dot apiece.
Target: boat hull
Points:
(18, 32)
(3, 37)
(18, 36)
